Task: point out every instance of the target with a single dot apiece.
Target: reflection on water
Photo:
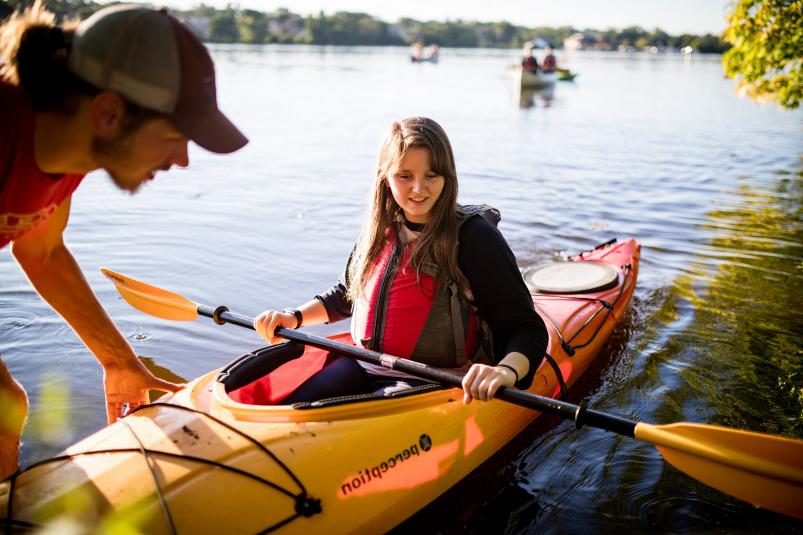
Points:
(529, 97)
(746, 335)
(655, 147)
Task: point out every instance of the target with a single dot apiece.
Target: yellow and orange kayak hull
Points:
(203, 463)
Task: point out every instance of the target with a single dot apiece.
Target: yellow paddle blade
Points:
(152, 300)
(764, 470)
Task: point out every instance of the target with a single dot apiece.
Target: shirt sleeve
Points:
(338, 306)
(500, 295)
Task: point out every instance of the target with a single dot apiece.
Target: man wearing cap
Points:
(123, 91)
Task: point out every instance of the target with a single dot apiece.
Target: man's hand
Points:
(129, 383)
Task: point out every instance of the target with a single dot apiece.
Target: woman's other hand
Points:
(482, 381)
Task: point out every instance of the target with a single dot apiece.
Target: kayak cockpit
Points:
(268, 375)
(580, 301)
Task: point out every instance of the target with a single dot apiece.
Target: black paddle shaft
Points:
(577, 413)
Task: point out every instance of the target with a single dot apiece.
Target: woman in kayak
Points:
(427, 280)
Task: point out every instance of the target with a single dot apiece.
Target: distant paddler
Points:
(417, 53)
(528, 62)
(529, 74)
(550, 64)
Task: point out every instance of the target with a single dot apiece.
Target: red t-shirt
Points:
(27, 195)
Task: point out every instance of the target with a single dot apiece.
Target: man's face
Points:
(135, 157)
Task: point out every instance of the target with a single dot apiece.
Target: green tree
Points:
(659, 37)
(253, 26)
(631, 36)
(767, 39)
(223, 27)
(709, 43)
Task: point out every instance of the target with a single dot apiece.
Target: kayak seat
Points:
(268, 375)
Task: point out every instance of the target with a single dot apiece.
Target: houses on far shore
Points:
(581, 41)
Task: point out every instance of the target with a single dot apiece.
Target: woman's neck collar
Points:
(415, 227)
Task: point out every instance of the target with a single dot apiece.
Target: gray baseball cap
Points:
(150, 58)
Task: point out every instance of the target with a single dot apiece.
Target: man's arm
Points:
(55, 274)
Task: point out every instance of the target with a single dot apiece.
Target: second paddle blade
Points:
(764, 470)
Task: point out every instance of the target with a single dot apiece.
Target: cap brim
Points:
(214, 132)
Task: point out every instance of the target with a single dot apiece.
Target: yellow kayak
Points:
(201, 462)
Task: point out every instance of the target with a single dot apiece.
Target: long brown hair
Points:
(438, 239)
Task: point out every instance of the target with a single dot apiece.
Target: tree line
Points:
(761, 44)
(234, 25)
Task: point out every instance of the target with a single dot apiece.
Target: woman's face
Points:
(414, 185)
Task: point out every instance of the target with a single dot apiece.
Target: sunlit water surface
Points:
(656, 147)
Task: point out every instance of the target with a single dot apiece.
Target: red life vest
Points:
(435, 325)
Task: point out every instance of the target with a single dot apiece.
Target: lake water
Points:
(655, 147)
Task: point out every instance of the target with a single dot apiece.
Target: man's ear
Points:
(106, 114)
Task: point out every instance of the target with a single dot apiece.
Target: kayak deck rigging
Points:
(304, 505)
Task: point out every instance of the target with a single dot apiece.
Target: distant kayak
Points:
(220, 457)
(529, 80)
(566, 76)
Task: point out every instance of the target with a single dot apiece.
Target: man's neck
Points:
(63, 143)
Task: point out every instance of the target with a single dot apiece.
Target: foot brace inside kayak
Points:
(269, 375)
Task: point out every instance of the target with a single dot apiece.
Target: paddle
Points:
(764, 470)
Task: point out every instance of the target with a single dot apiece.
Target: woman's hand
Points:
(482, 381)
(265, 324)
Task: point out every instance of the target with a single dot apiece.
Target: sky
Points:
(673, 16)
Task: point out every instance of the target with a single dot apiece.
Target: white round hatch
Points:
(571, 277)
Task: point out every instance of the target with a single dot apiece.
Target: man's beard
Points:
(115, 150)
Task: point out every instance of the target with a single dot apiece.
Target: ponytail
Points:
(33, 55)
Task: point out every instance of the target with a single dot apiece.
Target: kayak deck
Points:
(202, 461)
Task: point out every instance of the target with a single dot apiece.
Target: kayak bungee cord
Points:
(152, 470)
(566, 345)
(8, 520)
(305, 505)
(604, 305)
(239, 432)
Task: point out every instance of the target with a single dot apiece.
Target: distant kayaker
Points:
(427, 280)
(528, 62)
(416, 51)
(124, 92)
(433, 52)
(550, 62)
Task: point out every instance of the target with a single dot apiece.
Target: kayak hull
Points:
(224, 466)
(528, 80)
